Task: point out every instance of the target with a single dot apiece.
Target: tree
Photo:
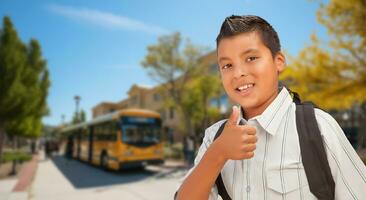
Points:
(333, 73)
(196, 100)
(23, 86)
(346, 26)
(78, 117)
(173, 66)
(12, 64)
(314, 73)
(36, 78)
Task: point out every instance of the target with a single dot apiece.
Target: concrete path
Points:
(60, 178)
(17, 188)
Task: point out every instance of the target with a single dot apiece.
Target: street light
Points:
(77, 100)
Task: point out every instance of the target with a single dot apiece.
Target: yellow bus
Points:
(123, 139)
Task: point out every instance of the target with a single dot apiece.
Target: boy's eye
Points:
(226, 66)
(251, 58)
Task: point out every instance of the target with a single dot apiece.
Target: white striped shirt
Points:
(276, 170)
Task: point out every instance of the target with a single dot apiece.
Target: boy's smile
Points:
(245, 89)
(249, 73)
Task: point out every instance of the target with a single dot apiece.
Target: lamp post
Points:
(77, 100)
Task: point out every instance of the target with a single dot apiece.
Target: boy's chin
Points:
(247, 105)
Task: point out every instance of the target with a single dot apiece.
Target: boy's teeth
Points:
(245, 87)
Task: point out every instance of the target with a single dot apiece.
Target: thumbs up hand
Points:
(236, 142)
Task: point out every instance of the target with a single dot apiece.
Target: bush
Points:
(19, 156)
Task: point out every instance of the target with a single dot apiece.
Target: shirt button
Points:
(248, 188)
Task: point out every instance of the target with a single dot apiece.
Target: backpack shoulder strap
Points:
(219, 131)
(219, 182)
(313, 153)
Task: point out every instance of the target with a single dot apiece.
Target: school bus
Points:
(123, 139)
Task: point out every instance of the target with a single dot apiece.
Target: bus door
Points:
(78, 144)
(70, 146)
(90, 148)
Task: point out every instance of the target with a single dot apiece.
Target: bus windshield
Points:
(141, 131)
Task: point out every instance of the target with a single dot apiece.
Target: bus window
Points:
(105, 132)
(141, 131)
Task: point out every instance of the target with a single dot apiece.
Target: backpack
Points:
(313, 153)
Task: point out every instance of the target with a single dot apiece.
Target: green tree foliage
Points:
(79, 117)
(196, 99)
(12, 65)
(24, 85)
(180, 71)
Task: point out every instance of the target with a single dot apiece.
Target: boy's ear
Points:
(280, 61)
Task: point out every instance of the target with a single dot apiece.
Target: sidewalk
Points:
(17, 188)
(44, 179)
(6, 187)
(51, 183)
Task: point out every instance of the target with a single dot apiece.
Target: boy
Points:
(261, 159)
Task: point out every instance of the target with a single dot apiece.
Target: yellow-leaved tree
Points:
(332, 73)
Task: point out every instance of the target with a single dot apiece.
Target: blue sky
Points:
(94, 48)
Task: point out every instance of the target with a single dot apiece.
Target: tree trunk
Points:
(188, 124)
(33, 146)
(2, 138)
(13, 169)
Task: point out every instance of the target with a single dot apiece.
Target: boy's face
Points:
(248, 71)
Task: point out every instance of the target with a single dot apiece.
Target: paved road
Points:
(59, 178)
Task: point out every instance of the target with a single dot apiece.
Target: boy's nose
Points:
(240, 71)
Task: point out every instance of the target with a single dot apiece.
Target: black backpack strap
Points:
(295, 97)
(219, 182)
(313, 153)
(219, 131)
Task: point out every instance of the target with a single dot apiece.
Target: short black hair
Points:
(235, 25)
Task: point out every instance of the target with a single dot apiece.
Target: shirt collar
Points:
(271, 118)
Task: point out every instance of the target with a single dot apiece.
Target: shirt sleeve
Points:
(348, 170)
(207, 141)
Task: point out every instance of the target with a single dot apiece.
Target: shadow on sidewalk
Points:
(82, 175)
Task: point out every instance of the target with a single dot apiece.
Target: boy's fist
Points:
(236, 142)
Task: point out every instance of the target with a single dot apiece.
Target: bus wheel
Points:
(104, 161)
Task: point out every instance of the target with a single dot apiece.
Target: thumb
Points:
(234, 116)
